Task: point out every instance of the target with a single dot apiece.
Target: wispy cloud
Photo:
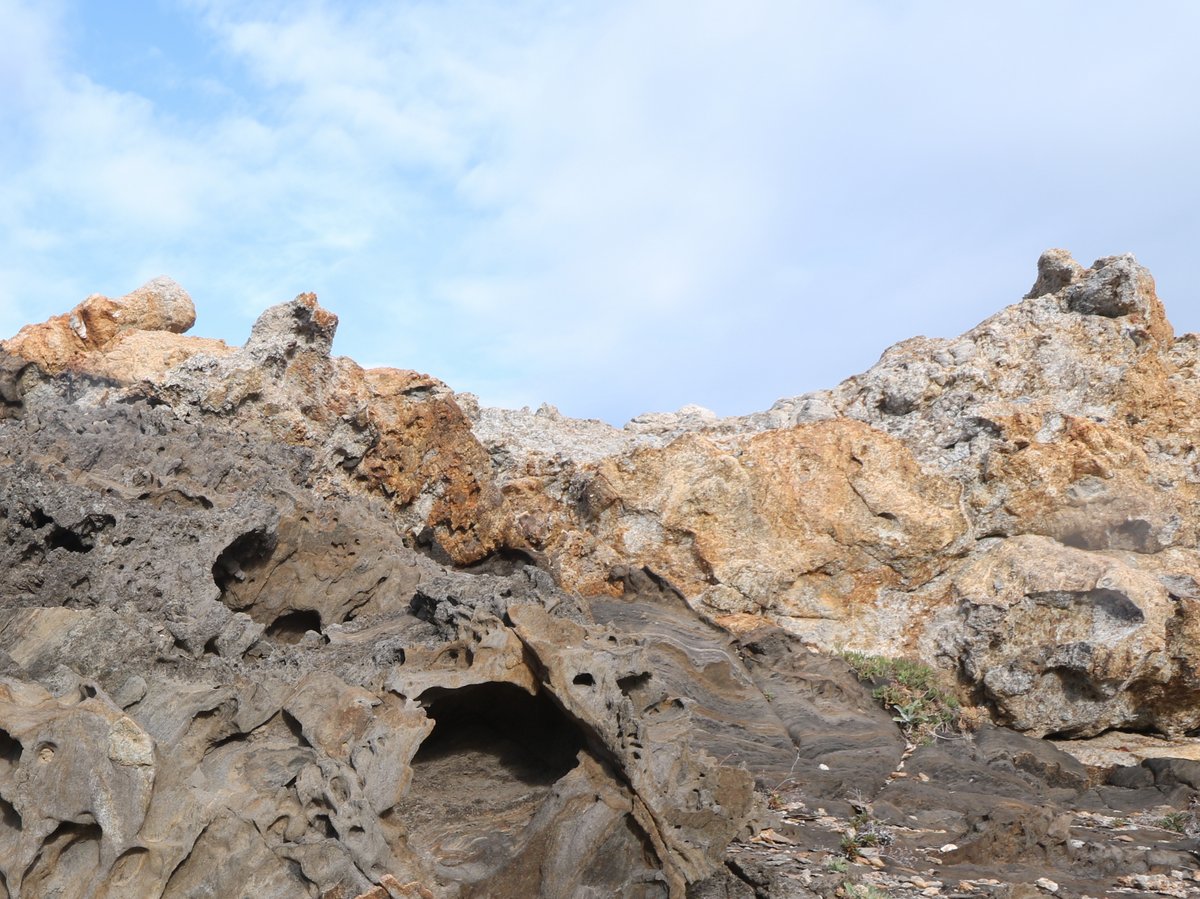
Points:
(611, 206)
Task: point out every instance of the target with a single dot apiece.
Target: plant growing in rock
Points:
(864, 831)
(910, 691)
(1186, 822)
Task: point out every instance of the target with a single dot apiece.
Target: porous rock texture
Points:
(274, 625)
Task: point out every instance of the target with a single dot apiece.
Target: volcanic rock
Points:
(272, 624)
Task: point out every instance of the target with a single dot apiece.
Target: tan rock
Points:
(426, 456)
(853, 516)
(806, 524)
(1064, 641)
(158, 305)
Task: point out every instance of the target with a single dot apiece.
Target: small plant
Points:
(910, 691)
(864, 831)
(837, 864)
(1179, 822)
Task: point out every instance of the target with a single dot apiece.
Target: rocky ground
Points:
(276, 625)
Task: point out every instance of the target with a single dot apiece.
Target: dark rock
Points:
(1173, 772)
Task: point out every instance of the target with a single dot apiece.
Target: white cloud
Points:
(611, 206)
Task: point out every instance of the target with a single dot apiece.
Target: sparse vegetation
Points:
(1179, 822)
(864, 831)
(910, 691)
(837, 864)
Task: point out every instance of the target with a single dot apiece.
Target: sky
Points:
(614, 207)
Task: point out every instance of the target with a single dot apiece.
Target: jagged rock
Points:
(273, 624)
(1056, 269)
(850, 516)
(296, 674)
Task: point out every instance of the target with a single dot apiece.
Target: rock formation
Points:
(275, 625)
(1016, 505)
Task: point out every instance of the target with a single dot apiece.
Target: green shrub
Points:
(910, 691)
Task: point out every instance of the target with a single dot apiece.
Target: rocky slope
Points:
(276, 625)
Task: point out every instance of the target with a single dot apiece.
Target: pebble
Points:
(1047, 884)
(875, 862)
(930, 891)
(949, 847)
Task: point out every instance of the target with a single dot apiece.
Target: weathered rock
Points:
(272, 624)
(852, 516)
(1064, 641)
(158, 305)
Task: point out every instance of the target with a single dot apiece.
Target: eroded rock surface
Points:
(1059, 435)
(276, 625)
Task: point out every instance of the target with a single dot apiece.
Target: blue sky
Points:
(615, 207)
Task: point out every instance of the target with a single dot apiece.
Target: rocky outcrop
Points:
(863, 516)
(276, 625)
(219, 655)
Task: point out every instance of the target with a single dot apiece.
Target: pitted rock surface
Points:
(276, 625)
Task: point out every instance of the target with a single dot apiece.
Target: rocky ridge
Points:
(277, 625)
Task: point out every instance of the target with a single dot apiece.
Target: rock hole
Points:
(325, 826)
(479, 778)
(80, 538)
(210, 646)
(584, 680)
(1135, 535)
(73, 848)
(503, 562)
(892, 404)
(291, 627)
(527, 735)
(10, 749)
(631, 682)
(248, 550)
(62, 538)
(425, 541)
(293, 726)
(128, 865)
(1116, 605)
(9, 816)
(1077, 540)
(237, 737)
